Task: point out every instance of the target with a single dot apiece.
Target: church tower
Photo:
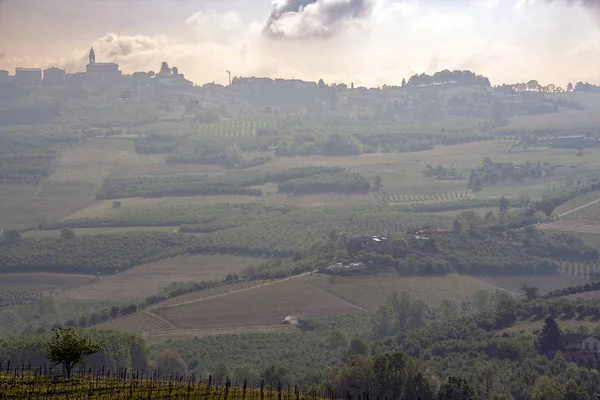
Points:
(92, 56)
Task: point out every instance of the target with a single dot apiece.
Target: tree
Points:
(358, 345)
(68, 348)
(546, 388)
(377, 183)
(11, 236)
(449, 309)
(531, 291)
(572, 391)
(457, 227)
(503, 204)
(455, 389)
(545, 206)
(550, 337)
(471, 219)
(570, 87)
(403, 82)
(170, 361)
(67, 234)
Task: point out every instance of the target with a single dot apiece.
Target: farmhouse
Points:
(575, 342)
(28, 75)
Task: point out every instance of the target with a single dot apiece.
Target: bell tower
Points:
(92, 56)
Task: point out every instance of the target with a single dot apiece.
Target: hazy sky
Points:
(369, 42)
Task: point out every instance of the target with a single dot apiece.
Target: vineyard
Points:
(300, 179)
(399, 198)
(93, 254)
(24, 383)
(15, 297)
(588, 270)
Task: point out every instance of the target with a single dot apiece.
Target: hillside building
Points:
(54, 76)
(102, 72)
(28, 76)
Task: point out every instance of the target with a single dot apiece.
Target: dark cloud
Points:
(305, 19)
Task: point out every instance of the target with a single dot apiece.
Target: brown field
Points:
(91, 162)
(262, 306)
(370, 291)
(144, 280)
(544, 283)
(42, 282)
(155, 164)
(22, 208)
(140, 322)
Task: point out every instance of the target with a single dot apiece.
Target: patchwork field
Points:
(369, 292)
(140, 282)
(262, 306)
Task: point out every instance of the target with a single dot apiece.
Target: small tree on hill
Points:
(503, 204)
(457, 227)
(11, 236)
(454, 389)
(531, 291)
(68, 348)
(67, 234)
(550, 337)
(546, 206)
(170, 361)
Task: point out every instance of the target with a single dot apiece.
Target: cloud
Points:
(2, 53)
(309, 19)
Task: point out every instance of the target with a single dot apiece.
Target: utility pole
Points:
(229, 73)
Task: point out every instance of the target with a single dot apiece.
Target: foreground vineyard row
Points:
(32, 385)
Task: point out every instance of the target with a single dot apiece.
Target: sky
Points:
(368, 42)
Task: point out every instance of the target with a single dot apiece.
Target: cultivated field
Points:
(21, 206)
(584, 218)
(101, 231)
(139, 282)
(42, 282)
(544, 283)
(370, 291)
(263, 306)
(90, 162)
(142, 322)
